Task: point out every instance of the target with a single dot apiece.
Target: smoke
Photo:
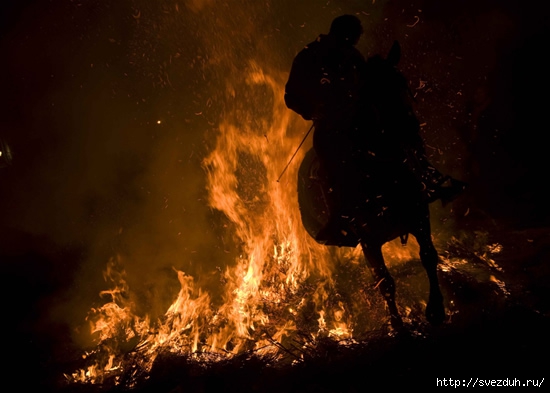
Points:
(197, 5)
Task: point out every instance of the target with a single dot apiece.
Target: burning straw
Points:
(280, 289)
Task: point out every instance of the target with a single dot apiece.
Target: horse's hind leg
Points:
(435, 311)
(383, 279)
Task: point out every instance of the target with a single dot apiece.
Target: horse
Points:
(381, 193)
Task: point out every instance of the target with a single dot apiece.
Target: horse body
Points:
(375, 196)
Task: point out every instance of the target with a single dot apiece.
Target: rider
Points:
(325, 85)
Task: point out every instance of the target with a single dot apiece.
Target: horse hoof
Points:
(435, 313)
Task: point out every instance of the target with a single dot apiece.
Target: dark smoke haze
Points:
(111, 106)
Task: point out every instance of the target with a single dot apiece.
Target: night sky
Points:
(109, 108)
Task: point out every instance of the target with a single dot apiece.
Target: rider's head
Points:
(346, 28)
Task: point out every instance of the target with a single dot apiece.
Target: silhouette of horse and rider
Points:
(367, 179)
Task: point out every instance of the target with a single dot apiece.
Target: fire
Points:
(282, 287)
(281, 283)
(283, 290)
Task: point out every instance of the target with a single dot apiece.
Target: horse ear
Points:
(394, 54)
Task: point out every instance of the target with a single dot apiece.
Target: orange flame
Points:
(264, 292)
(281, 283)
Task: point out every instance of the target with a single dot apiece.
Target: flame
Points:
(283, 288)
(282, 282)
(281, 279)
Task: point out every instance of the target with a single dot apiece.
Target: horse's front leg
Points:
(384, 280)
(435, 311)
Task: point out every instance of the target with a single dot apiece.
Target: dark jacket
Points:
(325, 80)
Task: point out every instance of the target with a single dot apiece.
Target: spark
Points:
(415, 23)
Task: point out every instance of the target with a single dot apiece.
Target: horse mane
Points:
(385, 121)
